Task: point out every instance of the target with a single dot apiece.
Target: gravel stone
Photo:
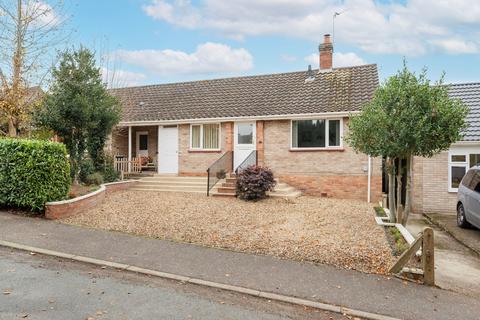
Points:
(338, 232)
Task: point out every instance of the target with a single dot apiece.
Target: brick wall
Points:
(196, 162)
(338, 174)
(67, 208)
(430, 185)
(120, 140)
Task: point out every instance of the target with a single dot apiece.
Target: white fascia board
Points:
(324, 115)
(466, 143)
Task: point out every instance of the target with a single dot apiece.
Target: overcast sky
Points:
(158, 41)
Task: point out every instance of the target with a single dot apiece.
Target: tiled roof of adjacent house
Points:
(469, 93)
(337, 90)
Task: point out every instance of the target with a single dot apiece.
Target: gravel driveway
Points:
(332, 231)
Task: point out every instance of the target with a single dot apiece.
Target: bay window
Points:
(316, 133)
(205, 136)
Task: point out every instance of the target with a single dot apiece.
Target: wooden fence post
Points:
(428, 257)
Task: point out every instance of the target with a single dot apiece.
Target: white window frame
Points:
(460, 151)
(327, 142)
(201, 136)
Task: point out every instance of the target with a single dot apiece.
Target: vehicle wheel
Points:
(461, 218)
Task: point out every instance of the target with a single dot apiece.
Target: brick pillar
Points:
(228, 136)
(260, 144)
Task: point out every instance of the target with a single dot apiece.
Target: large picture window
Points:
(458, 165)
(317, 133)
(205, 136)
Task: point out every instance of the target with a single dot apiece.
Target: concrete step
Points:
(228, 185)
(287, 195)
(221, 194)
(167, 190)
(226, 190)
(284, 189)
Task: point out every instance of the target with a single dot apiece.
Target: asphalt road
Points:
(40, 287)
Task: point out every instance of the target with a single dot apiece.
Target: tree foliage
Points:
(29, 29)
(408, 116)
(79, 108)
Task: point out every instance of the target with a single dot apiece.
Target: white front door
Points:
(142, 144)
(244, 141)
(168, 149)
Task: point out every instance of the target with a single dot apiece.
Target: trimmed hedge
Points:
(32, 172)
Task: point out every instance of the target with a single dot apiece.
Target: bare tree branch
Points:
(29, 29)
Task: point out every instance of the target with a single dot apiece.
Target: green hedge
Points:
(32, 172)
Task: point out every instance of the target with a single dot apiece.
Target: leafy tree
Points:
(407, 117)
(79, 108)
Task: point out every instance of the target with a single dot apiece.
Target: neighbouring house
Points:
(435, 180)
(294, 123)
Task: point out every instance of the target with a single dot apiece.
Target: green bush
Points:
(32, 172)
(94, 178)
(86, 168)
(110, 174)
(254, 182)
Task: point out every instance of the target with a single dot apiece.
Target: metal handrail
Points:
(249, 161)
(219, 170)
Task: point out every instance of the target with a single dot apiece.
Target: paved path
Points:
(448, 222)
(456, 266)
(321, 283)
(46, 288)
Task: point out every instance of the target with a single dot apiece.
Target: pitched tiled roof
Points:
(469, 93)
(342, 89)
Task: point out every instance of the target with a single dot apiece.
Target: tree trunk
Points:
(391, 188)
(18, 57)
(399, 187)
(12, 129)
(408, 190)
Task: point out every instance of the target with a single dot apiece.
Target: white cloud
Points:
(348, 59)
(410, 27)
(208, 58)
(122, 78)
(456, 46)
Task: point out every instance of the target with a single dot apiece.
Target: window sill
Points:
(203, 151)
(337, 149)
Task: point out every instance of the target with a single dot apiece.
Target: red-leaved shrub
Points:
(254, 182)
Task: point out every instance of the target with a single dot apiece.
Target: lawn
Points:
(342, 233)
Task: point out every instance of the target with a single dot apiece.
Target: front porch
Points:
(138, 150)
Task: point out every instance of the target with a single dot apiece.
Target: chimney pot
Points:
(326, 53)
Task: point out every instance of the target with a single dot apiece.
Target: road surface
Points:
(40, 287)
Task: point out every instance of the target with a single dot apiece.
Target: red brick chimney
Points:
(326, 53)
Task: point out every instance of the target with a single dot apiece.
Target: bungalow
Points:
(293, 123)
(435, 180)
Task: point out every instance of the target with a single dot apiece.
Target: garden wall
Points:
(67, 208)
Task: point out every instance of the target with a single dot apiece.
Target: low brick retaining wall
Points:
(66, 208)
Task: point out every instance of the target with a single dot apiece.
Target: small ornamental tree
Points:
(407, 117)
(79, 108)
(253, 183)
